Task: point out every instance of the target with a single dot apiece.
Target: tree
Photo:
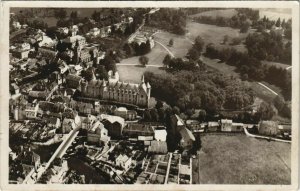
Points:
(202, 115)
(144, 60)
(265, 111)
(193, 54)
(171, 42)
(279, 103)
(278, 23)
(167, 60)
(73, 15)
(245, 27)
(225, 39)
(102, 72)
(199, 44)
(60, 14)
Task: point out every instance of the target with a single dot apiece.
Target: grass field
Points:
(227, 13)
(242, 160)
(215, 34)
(134, 73)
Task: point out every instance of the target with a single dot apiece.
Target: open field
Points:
(181, 43)
(156, 56)
(134, 73)
(227, 13)
(215, 34)
(242, 160)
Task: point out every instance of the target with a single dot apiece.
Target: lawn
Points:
(215, 34)
(226, 13)
(133, 74)
(242, 160)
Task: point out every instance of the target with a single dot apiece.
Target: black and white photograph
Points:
(151, 95)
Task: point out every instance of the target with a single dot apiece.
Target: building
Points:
(31, 110)
(94, 32)
(97, 134)
(73, 81)
(113, 124)
(126, 114)
(47, 52)
(138, 129)
(187, 139)
(68, 125)
(113, 77)
(53, 122)
(127, 93)
(29, 160)
(73, 39)
(213, 126)
(21, 54)
(160, 133)
(123, 161)
(158, 147)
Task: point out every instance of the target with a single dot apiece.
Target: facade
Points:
(127, 93)
(126, 114)
(123, 161)
(31, 110)
(97, 134)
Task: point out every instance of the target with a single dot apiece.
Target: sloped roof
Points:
(186, 134)
(158, 147)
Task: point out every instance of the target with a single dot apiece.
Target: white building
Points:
(123, 161)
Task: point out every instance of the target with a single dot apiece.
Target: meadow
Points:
(239, 159)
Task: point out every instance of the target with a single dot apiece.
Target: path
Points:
(263, 85)
(265, 137)
(151, 65)
(171, 54)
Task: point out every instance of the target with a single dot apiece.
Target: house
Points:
(31, 110)
(88, 122)
(63, 30)
(213, 126)
(74, 29)
(126, 114)
(47, 52)
(113, 77)
(160, 133)
(187, 138)
(72, 40)
(16, 25)
(73, 81)
(68, 125)
(94, 32)
(158, 147)
(53, 122)
(123, 161)
(21, 54)
(98, 134)
(113, 124)
(138, 129)
(285, 130)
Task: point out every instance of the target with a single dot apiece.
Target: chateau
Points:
(128, 93)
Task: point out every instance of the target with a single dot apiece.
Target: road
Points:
(171, 54)
(263, 85)
(34, 175)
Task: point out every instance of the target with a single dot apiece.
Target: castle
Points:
(128, 93)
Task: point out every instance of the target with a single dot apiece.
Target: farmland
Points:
(242, 160)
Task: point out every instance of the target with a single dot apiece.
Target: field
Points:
(227, 13)
(133, 74)
(215, 34)
(241, 160)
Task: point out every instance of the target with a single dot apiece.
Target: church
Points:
(127, 93)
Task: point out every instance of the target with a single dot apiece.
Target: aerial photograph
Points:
(150, 95)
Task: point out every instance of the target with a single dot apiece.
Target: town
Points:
(76, 118)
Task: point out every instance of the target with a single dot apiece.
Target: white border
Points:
(4, 93)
